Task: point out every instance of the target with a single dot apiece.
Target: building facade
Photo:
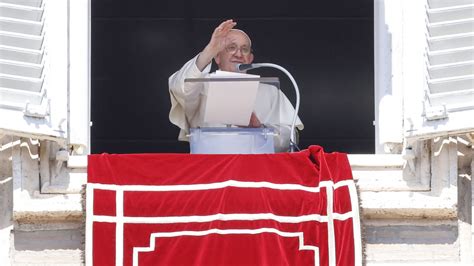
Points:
(415, 191)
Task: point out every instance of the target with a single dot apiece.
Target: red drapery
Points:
(181, 209)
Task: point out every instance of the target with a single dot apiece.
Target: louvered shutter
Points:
(33, 68)
(448, 101)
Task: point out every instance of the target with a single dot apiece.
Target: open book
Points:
(230, 98)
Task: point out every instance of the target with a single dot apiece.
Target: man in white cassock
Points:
(228, 47)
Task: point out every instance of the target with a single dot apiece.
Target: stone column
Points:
(6, 198)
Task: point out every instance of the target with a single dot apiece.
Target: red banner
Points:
(181, 209)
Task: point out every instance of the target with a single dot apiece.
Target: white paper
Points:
(230, 102)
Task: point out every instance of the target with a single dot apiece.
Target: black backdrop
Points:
(138, 44)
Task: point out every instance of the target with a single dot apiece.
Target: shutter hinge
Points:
(435, 113)
(432, 113)
(37, 111)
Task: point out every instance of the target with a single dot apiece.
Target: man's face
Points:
(237, 51)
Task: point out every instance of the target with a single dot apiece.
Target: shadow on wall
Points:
(6, 186)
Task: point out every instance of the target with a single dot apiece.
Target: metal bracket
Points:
(409, 155)
(432, 113)
(435, 113)
(53, 164)
(37, 111)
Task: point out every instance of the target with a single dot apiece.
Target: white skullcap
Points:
(245, 34)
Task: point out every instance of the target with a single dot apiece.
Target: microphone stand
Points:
(244, 67)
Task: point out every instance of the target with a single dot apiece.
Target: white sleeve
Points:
(181, 93)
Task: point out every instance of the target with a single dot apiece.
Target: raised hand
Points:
(254, 121)
(216, 44)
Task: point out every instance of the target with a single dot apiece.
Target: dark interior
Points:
(137, 45)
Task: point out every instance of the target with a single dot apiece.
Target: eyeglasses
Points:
(232, 49)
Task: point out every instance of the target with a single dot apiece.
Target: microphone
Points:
(245, 67)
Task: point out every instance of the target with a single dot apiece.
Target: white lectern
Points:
(218, 111)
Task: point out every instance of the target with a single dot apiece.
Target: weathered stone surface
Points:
(6, 197)
(407, 219)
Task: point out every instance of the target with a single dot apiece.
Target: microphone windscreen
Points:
(243, 67)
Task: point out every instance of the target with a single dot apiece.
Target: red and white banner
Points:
(181, 209)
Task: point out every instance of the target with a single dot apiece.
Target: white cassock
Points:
(272, 107)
